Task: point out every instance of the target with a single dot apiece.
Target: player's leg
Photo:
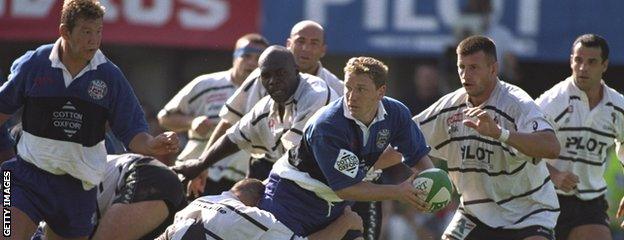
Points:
(536, 238)
(583, 219)
(589, 232)
(51, 235)
(131, 221)
(24, 212)
(22, 227)
(145, 204)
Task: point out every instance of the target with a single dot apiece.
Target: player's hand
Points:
(190, 168)
(202, 125)
(352, 218)
(564, 180)
(164, 143)
(484, 124)
(195, 187)
(407, 194)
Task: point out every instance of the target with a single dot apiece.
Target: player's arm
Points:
(538, 144)
(564, 180)
(164, 143)
(395, 171)
(219, 131)
(176, 122)
(222, 148)
(366, 191)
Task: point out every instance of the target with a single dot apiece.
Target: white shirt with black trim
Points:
(205, 96)
(264, 134)
(585, 134)
(499, 185)
(252, 90)
(226, 217)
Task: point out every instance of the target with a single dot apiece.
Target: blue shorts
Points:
(300, 210)
(59, 200)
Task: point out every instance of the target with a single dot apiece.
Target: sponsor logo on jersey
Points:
(457, 117)
(347, 163)
(68, 119)
(98, 89)
(382, 138)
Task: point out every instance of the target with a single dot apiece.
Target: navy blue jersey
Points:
(336, 152)
(5, 139)
(64, 116)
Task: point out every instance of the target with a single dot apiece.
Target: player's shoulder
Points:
(557, 93)
(450, 100)
(330, 116)
(209, 80)
(39, 56)
(328, 75)
(314, 82)
(615, 98)
(394, 107)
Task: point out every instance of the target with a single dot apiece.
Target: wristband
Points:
(504, 136)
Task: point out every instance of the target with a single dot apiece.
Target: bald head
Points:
(307, 43)
(277, 56)
(278, 73)
(308, 25)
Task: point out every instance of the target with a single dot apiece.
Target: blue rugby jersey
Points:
(335, 153)
(64, 118)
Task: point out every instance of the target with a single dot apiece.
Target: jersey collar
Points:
(381, 113)
(55, 58)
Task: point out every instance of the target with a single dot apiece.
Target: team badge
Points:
(98, 89)
(382, 138)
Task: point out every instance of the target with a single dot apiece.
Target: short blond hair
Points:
(80, 9)
(375, 69)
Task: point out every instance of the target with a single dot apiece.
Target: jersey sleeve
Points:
(12, 92)
(245, 133)
(126, 116)
(306, 107)
(532, 119)
(551, 106)
(335, 157)
(243, 99)
(409, 140)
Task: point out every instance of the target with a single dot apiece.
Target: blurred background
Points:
(161, 45)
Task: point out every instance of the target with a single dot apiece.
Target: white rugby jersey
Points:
(205, 96)
(225, 217)
(252, 90)
(584, 134)
(499, 185)
(263, 134)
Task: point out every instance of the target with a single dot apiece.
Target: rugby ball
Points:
(437, 185)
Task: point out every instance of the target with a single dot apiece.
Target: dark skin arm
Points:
(222, 148)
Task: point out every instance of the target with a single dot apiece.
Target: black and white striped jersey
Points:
(252, 90)
(499, 185)
(205, 96)
(225, 217)
(264, 134)
(585, 134)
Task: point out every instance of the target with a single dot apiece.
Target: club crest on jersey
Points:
(98, 89)
(457, 117)
(347, 163)
(382, 138)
